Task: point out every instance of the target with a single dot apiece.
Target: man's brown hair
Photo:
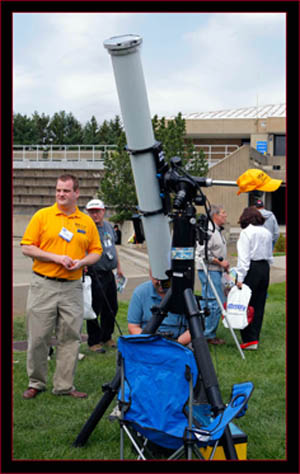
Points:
(69, 177)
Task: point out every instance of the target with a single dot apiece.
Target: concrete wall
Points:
(34, 188)
(229, 169)
(234, 127)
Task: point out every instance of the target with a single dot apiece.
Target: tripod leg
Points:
(222, 308)
(202, 354)
(113, 387)
(158, 314)
(206, 367)
(99, 411)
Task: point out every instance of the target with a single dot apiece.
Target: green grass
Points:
(45, 427)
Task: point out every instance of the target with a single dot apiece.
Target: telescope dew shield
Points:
(131, 88)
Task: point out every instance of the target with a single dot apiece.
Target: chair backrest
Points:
(156, 384)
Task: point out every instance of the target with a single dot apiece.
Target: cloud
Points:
(229, 65)
(227, 61)
(68, 62)
(23, 79)
(229, 42)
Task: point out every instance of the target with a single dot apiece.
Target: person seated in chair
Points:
(144, 297)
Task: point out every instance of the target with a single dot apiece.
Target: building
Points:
(239, 139)
(233, 141)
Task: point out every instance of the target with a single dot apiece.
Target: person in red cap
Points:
(104, 289)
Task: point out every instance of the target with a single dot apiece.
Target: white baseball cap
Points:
(95, 204)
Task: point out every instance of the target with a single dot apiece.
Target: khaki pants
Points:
(53, 306)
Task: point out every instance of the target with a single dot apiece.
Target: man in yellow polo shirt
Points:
(61, 240)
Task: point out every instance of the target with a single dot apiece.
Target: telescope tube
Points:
(131, 88)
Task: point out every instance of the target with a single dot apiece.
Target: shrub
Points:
(280, 245)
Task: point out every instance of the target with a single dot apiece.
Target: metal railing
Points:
(61, 152)
(215, 153)
(42, 153)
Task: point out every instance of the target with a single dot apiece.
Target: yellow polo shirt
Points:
(43, 231)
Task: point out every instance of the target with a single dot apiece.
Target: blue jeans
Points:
(211, 321)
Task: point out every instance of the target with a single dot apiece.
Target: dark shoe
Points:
(76, 394)
(111, 343)
(31, 393)
(216, 341)
(97, 348)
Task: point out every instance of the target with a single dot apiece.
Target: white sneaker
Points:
(115, 414)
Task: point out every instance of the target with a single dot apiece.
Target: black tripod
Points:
(182, 283)
(180, 299)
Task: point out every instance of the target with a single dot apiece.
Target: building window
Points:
(279, 145)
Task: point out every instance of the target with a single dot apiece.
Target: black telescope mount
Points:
(179, 297)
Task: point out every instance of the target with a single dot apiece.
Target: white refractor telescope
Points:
(148, 168)
(132, 93)
(129, 77)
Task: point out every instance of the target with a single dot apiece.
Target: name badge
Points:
(107, 241)
(66, 234)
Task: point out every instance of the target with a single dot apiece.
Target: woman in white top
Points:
(254, 248)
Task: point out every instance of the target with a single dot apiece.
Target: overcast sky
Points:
(196, 62)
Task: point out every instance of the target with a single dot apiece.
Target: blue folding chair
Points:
(158, 377)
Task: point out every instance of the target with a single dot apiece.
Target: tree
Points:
(58, 127)
(40, 127)
(104, 133)
(90, 132)
(196, 162)
(110, 132)
(73, 131)
(117, 185)
(22, 130)
(65, 129)
(172, 135)
(116, 129)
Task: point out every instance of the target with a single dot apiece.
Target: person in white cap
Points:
(104, 290)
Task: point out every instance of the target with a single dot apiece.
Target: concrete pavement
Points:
(134, 263)
(135, 266)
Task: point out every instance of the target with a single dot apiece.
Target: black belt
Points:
(51, 278)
